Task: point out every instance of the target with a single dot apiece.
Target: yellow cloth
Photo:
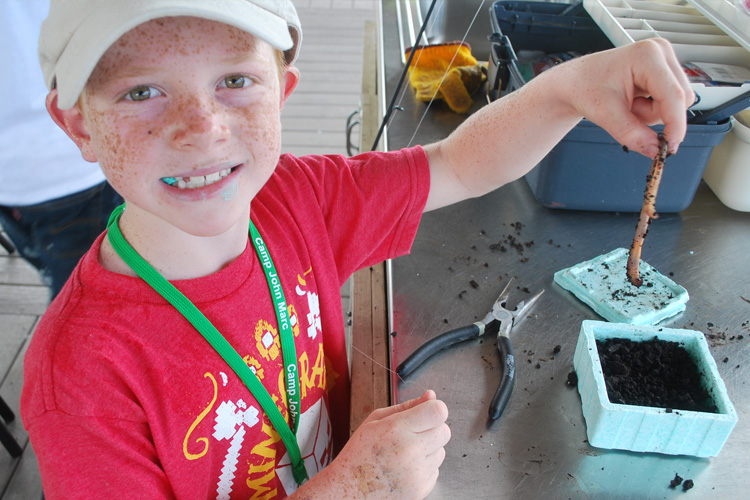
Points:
(451, 63)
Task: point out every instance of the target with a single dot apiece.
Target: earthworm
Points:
(648, 212)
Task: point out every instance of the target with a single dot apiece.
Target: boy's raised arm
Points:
(622, 90)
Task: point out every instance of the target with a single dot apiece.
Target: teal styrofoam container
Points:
(601, 283)
(648, 429)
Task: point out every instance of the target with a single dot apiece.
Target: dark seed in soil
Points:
(655, 373)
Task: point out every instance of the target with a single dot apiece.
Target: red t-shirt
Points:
(123, 398)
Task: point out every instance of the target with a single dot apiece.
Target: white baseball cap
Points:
(77, 33)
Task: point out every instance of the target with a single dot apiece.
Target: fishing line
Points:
(398, 94)
(416, 63)
(455, 54)
(391, 105)
(386, 368)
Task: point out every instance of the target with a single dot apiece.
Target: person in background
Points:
(53, 204)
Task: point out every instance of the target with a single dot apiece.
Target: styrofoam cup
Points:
(728, 169)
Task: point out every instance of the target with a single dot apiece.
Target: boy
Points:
(179, 101)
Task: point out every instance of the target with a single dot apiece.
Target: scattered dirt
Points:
(511, 241)
(488, 363)
(674, 483)
(686, 485)
(655, 373)
(572, 380)
(716, 336)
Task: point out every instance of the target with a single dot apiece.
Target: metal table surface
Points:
(538, 449)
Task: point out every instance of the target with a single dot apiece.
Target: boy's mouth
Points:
(198, 181)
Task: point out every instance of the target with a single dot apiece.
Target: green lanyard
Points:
(218, 342)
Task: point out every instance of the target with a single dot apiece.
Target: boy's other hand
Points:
(394, 454)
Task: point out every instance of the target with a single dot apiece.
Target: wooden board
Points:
(369, 361)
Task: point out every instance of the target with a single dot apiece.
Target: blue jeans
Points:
(53, 235)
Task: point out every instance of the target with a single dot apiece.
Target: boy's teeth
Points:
(196, 181)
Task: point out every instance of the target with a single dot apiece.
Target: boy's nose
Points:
(199, 125)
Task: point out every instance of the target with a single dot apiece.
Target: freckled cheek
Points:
(261, 127)
(120, 148)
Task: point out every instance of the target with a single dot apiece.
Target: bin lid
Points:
(709, 31)
(729, 16)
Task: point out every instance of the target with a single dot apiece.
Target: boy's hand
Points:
(629, 88)
(394, 454)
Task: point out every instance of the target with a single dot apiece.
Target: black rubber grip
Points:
(435, 345)
(507, 379)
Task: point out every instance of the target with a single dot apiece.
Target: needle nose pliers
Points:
(499, 320)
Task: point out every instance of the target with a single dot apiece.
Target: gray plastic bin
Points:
(589, 170)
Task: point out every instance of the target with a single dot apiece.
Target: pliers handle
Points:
(499, 321)
(452, 337)
(507, 379)
(437, 344)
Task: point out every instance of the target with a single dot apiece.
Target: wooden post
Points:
(369, 362)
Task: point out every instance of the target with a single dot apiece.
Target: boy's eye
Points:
(234, 82)
(142, 93)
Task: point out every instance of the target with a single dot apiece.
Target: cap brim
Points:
(107, 23)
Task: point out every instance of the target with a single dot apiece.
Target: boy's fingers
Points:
(670, 94)
(629, 130)
(630, 126)
(674, 115)
(428, 395)
(425, 487)
(435, 459)
(654, 90)
(424, 416)
(435, 438)
(382, 413)
(668, 112)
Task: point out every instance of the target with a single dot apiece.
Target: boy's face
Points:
(183, 115)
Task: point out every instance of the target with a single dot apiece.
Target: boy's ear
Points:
(72, 122)
(289, 81)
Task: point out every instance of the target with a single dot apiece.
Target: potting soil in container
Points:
(656, 373)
